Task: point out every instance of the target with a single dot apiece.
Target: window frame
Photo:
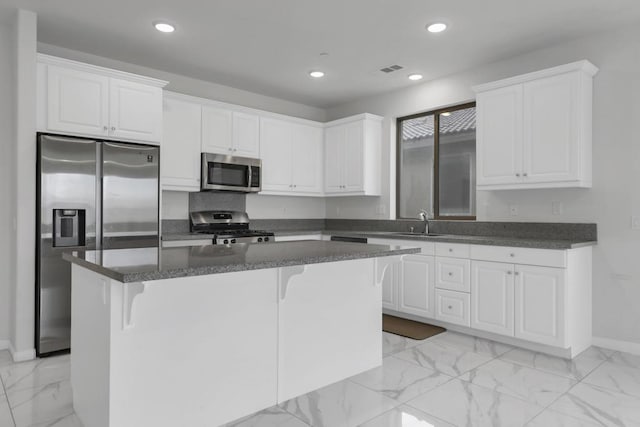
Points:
(436, 159)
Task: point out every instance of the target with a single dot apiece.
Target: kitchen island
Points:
(203, 335)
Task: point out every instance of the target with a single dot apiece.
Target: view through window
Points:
(437, 163)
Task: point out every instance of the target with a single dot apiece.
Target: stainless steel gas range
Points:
(227, 227)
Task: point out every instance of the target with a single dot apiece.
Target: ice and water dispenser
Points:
(69, 227)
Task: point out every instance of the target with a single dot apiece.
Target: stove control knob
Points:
(259, 239)
(225, 241)
(233, 240)
(266, 239)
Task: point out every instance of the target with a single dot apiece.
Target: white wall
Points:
(7, 136)
(615, 195)
(23, 200)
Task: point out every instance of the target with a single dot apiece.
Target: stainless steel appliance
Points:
(227, 227)
(229, 173)
(91, 195)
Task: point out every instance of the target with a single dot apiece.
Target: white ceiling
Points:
(269, 46)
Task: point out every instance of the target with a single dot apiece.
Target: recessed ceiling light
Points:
(437, 27)
(446, 114)
(415, 77)
(316, 74)
(163, 27)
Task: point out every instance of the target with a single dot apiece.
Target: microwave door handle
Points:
(249, 177)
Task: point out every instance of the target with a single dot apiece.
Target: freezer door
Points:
(130, 187)
(67, 186)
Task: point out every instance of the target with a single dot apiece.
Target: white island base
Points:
(206, 350)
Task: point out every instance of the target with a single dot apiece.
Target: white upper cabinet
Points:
(225, 131)
(135, 110)
(534, 130)
(85, 100)
(291, 158)
(352, 156)
(180, 159)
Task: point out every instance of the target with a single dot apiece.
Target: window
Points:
(436, 169)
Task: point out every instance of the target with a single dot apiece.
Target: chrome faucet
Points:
(424, 216)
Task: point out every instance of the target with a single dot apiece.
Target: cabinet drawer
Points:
(544, 257)
(453, 307)
(453, 274)
(455, 250)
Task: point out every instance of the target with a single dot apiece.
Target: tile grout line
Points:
(6, 397)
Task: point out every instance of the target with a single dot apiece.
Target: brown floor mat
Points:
(409, 328)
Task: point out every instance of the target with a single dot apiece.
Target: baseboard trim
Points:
(618, 345)
(4, 344)
(22, 356)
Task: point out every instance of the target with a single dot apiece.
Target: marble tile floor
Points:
(447, 380)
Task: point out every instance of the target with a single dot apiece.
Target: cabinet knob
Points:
(106, 128)
(450, 249)
(295, 186)
(113, 128)
(517, 273)
(230, 149)
(450, 307)
(450, 274)
(509, 272)
(518, 175)
(235, 149)
(524, 174)
(512, 255)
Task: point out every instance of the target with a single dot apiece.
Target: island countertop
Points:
(147, 264)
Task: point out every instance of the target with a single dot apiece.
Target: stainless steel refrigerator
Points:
(91, 195)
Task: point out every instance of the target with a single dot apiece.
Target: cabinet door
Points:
(492, 293)
(78, 102)
(499, 136)
(334, 152)
(452, 274)
(135, 111)
(217, 128)
(388, 270)
(353, 157)
(180, 158)
(416, 289)
(246, 134)
(540, 303)
(551, 132)
(276, 155)
(306, 149)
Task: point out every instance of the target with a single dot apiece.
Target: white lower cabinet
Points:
(452, 307)
(416, 285)
(492, 297)
(544, 297)
(389, 272)
(540, 304)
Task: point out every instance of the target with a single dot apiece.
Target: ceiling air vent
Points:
(391, 68)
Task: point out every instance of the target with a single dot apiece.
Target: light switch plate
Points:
(513, 210)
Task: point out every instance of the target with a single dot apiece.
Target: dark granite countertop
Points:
(146, 264)
(521, 242)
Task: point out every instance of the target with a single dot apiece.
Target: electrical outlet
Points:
(635, 222)
(557, 208)
(513, 210)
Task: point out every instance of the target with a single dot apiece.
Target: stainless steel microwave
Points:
(229, 173)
